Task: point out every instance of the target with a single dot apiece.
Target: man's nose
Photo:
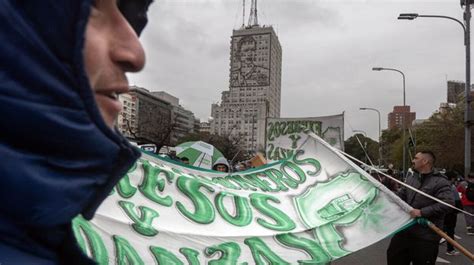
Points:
(127, 51)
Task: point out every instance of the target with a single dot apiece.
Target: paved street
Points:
(375, 254)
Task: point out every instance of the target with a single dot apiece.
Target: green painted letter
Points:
(95, 245)
(282, 221)
(261, 250)
(142, 223)
(125, 253)
(243, 212)
(203, 209)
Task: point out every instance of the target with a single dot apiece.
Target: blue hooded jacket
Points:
(58, 158)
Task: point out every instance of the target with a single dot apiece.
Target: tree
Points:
(354, 148)
(442, 133)
(392, 147)
(153, 126)
(159, 137)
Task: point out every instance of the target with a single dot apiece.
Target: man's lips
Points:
(108, 102)
(112, 92)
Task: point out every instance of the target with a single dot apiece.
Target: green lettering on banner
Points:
(125, 253)
(191, 255)
(282, 221)
(279, 153)
(124, 187)
(203, 209)
(311, 161)
(243, 212)
(152, 182)
(229, 253)
(294, 140)
(177, 171)
(163, 256)
(301, 176)
(243, 183)
(257, 181)
(260, 252)
(282, 128)
(332, 240)
(225, 183)
(277, 177)
(314, 250)
(271, 131)
(142, 224)
(90, 241)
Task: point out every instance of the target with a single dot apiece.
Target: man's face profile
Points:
(419, 161)
(111, 49)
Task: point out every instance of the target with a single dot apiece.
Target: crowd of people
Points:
(221, 164)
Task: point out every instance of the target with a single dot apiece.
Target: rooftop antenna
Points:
(253, 18)
(243, 13)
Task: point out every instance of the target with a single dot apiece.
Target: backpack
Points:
(470, 191)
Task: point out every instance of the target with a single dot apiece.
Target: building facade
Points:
(254, 87)
(144, 118)
(456, 91)
(182, 120)
(205, 127)
(399, 116)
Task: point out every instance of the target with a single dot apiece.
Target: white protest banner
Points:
(284, 135)
(312, 208)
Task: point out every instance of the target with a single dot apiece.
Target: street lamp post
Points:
(380, 135)
(360, 131)
(404, 113)
(364, 146)
(466, 27)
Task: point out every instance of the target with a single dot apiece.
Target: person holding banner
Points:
(63, 66)
(418, 243)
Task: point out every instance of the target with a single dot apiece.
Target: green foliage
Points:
(354, 148)
(442, 133)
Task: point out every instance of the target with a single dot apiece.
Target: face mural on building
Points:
(250, 63)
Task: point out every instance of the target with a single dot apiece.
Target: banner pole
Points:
(451, 241)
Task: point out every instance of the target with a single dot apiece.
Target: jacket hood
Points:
(222, 161)
(58, 156)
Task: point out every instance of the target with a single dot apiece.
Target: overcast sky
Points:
(329, 48)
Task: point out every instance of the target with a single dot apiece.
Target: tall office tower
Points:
(254, 85)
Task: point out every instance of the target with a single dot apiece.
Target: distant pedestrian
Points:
(221, 165)
(172, 155)
(451, 218)
(418, 243)
(466, 188)
(241, 166)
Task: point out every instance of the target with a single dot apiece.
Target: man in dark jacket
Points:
(63, 64)
(418, 243)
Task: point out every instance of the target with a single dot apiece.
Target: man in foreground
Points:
(63, 66)
(418, 243)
